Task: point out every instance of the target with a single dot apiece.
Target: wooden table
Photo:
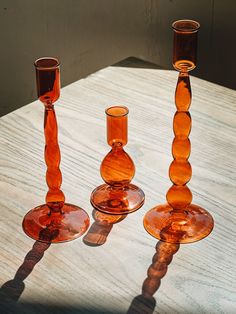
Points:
(103, 272)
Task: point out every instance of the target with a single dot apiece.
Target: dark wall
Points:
(217, 44)
(87, 35)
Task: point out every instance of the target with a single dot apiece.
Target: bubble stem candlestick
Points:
(179, 221)
(118, 196)
(55, 221)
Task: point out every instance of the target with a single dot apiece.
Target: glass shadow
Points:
(145, 303)
(100, 229)
(11, 290)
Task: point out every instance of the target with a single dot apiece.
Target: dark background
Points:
(88, 35)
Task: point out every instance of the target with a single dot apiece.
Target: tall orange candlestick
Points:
(179, 221)
(55, 221)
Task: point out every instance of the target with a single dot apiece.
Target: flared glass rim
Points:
(124, 108)
(53, 66)
(194, 26)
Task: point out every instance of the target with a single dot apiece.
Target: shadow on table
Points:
(133, 62)
(145, 303)
(11, 290)
(39, 308)
(100, 229)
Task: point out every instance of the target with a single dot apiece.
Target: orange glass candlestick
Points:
(55, 221)
(179, 221)
(118, 195)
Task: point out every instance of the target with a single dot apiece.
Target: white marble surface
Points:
(76, 278)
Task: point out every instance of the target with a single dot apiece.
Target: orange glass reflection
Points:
(118, 196)
(100, 229)
(158, 269)
(179, 221)
(55, 221)
(145, 303)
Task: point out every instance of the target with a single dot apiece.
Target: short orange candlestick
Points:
(179, 221)
(55, 221)
(118, 195)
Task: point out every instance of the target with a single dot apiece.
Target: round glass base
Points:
(190, 225)
(117, 201)
(56, 227)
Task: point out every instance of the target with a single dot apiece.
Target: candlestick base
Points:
(56, 227)
(190, 225)
(117, 200)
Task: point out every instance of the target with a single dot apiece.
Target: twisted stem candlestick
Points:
(55, 198)
(179, 221)
(55, 221)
